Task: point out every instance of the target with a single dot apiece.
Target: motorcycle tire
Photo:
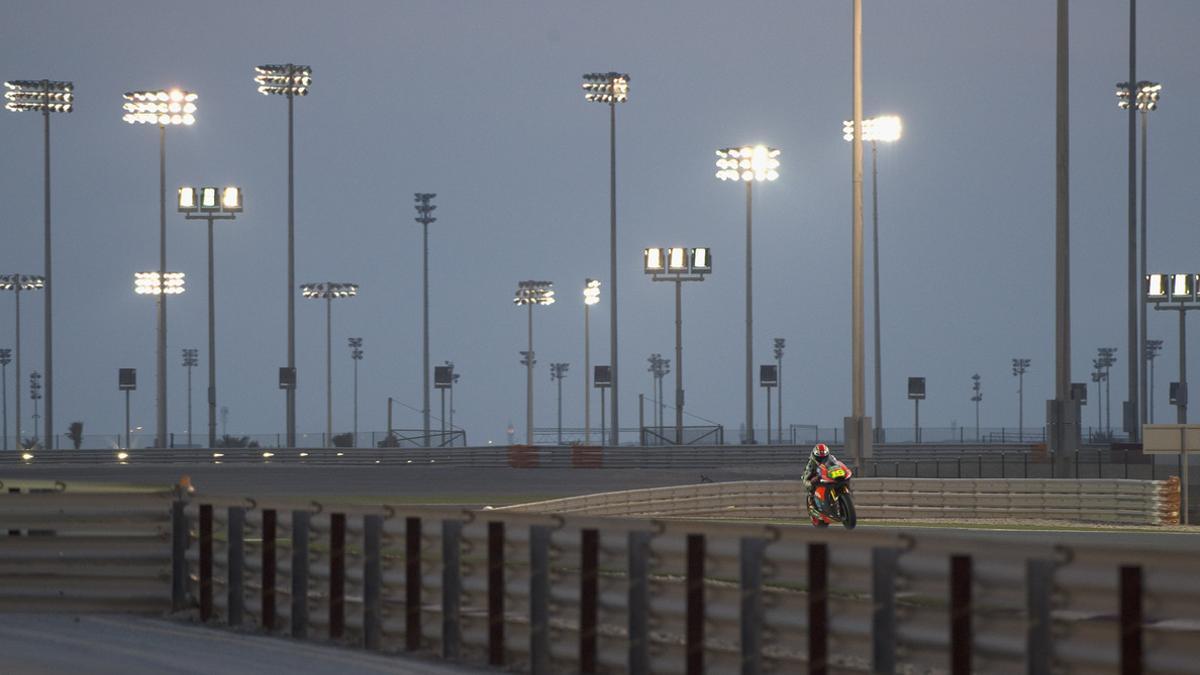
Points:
(849, 515)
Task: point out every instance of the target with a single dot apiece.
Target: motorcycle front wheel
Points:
(846, 506)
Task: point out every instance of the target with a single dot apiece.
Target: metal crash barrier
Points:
(547, 593)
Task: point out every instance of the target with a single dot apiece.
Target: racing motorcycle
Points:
(830, 501)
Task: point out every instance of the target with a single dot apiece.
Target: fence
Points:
(139, 440)
(1096, 501)
(550, 593)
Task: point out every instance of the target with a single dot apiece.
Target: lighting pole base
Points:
(859, 432)
(1062, 433)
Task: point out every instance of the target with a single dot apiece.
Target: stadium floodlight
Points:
(19, 283)
(678, 264)
(530, 294)
(283, 79)
(591, 296)
(164, 107)
(329, 291)
(288, 80)
(885, 128)
(153, 283)
(610, 89)
(1146, 98)
(1156, 287)
(750, 164)
(44, 96)
(1182, 287)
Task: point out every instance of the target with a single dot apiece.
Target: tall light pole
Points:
(857, 441)
(356, 355)
(1153, 347)
(160, 284)
(329, 291)
(1107, 356)
(164, 108)
(35, 395)
(886, 128)
(290, 81)
(454, 375)
(779, 345)
(529, 294)
(976, 396)
(19, 283)
(210, 204)
(425, 217)
(1063, 411)
(5, 359)
(677, 265)
(191, 360)
(558, 371)
(659, 368)
(1019, 366)
(1145, 100)
(1176, 292)
(591, 296)
(44, 96)
(1131, 421)
(610, 89)
(749, 164)
(1099, 377)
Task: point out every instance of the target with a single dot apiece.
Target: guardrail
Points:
(1085, 501)
(548, 593)
(80, 551)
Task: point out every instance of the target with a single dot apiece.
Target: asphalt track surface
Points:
(41, 644)
(472, 486)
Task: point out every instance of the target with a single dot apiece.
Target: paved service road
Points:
(36, 644)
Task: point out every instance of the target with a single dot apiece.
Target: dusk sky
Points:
(480, 102)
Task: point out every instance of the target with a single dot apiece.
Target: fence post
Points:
(1131, 620)
(639, 602)
(206, 562)
(496, 592)
(589, 563)
(337, 575)
(1039, 644)
(539, 599)
(751, 559)
(300, 574)
(268, 569)
(960, 615)
(884, 568)
(980, 458)
(695, 604)
(412, 584)
(818, 610)
(372, 581)
(179, 546)
(451, 588)
(235, 556)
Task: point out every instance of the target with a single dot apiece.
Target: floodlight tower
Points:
(1019, 366)
(44, 96)
(210, 204)
(160, 284)
(610, 89)
(356, 355)
(678, 264)
(5, 359)
(531, 293)
(591, 296)
(1145, 101)
(425, 217)
(288, 80)
(886, 128)
(19, 283)
(329, 291)
(558, 372)
(749, 164)
(164, 108)
(190, 360)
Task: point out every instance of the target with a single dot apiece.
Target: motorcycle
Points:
(830, 501)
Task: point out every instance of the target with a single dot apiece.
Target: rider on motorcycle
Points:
(820, 455)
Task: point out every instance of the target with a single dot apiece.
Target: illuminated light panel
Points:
(610, 88)
(147, 283)
(653, 260)
(329, 289)
(170, 107)
(748, 163)
(885, 128)
(591, 291)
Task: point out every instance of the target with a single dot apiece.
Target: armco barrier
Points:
(75, 551)
(1104, 501)
(566, 593)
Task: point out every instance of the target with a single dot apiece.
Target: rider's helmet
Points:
(820, 451)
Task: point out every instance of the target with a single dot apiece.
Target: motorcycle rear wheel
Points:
(849, 515)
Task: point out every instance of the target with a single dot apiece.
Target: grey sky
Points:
(480, 103)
